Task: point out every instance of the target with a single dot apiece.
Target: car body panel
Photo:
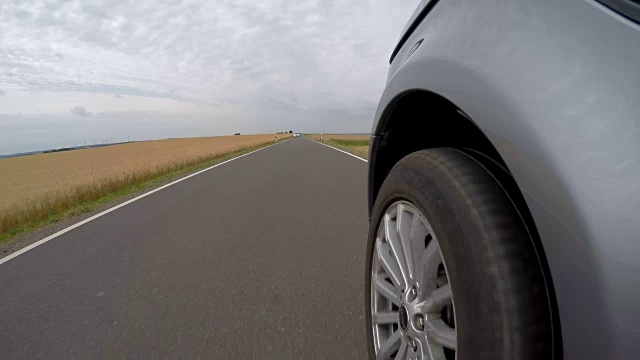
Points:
(555, 87)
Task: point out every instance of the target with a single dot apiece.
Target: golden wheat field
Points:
(30, 178)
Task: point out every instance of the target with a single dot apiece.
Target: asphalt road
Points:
(261, 257)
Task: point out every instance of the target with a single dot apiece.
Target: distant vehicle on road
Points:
(296, 135)
(504, 190)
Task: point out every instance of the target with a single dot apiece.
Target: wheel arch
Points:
(407, 125)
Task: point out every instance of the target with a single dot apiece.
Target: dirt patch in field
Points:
(29, 178)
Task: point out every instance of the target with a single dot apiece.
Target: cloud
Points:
(231, 57)
(80, 111)
(2, 92)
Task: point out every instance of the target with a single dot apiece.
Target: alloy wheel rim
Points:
(412, 306)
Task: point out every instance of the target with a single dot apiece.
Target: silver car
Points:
(504, 184)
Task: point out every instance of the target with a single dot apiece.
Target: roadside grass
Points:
(354, 143)
(357, 147)
(54, 207)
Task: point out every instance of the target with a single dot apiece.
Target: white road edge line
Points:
(65, 230)
(342, 151)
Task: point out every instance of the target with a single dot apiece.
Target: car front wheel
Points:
(452, 272)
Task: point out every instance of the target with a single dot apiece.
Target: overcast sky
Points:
(89, 71)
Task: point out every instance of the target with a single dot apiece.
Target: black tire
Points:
(502, 305)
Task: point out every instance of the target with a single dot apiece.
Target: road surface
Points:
(261, 257)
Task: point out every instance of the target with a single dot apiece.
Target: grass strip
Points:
(356, 147)
(350, 142)
(84, 198)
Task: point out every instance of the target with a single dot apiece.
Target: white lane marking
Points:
(342, 151)
(65, 230)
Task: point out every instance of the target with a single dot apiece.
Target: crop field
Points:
(39, 183)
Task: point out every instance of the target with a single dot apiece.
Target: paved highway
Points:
(261, 257)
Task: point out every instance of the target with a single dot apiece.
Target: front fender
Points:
(570, 141)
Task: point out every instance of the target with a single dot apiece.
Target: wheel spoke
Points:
(391, 234)
(439, 298)
(376, 337)
(441, 333)
(387, 290)
(404, 221)
(389, 265)
(417, 232)
(385, 318)
(429, 262)
(404, 347)
(431, 350)
(390, 345)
